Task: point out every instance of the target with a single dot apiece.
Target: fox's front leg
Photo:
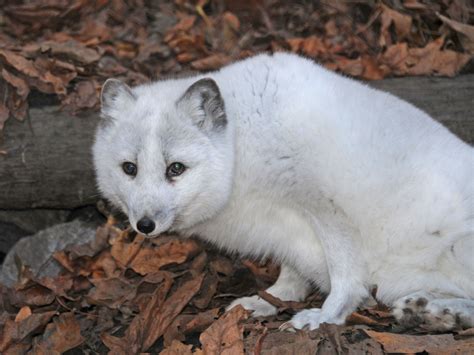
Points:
(290, 286)
(346, 272)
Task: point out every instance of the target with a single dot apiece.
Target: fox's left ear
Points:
(114, 97)
(203, 103)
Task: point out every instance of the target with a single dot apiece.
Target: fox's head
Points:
(163, 153)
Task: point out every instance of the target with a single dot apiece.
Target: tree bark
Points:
(46, 160)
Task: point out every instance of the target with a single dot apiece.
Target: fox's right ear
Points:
(114, 97)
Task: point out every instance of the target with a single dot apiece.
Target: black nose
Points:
(146, 225)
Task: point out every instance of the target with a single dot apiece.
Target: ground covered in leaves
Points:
(125, 294)
(67, 48)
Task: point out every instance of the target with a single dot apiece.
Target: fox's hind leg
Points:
(436, 314)
(290, 286)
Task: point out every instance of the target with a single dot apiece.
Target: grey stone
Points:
(36, 251)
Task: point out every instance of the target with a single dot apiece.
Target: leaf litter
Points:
(68, 48)
(106, 300)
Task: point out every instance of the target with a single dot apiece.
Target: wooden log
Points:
(46, 160)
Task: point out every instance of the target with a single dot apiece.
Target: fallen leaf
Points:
(18, 83)
(313, 47)
(157, 322)
(267, 271)
(20, 63)
(177, 348)
(15, 332)
(357, 318)
(464, 29)
(60, 336)
(208, 291)
(111, 292)
(153, 321)
(151, 258)
(4, 115)
(402, 343)
(211, 62)
(73, 50)
(23, 313)
(32, 295)
(432, 59)
(282, 305)
(401, 22)
(225, 336)
(124, 252)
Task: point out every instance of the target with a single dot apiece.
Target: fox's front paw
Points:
(309, 319)
(256, 304)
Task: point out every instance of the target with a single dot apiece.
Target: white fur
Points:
(348, 185)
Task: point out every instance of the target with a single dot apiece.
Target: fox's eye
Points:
(129, 168)
(175, 169)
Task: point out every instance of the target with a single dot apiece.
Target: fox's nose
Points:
(146, 225)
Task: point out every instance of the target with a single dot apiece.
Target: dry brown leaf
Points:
(111, 292)
(151, 258)
(15, 332)
(212, 62)
(23, 313)
(18, 83)
(295, 44)
(4, 115)
(20, 63)
(208, 291)
(401, 22)
(60, 336)
(465, 29)
(313, 47)
(429, 60)
(72, 50)
(158, 321)
(85, 95)
(282, 305)
(357, 318)
(124, 252)
(402, 343)
(177, 348)
(225, 336)
(432, 59)
(32, 295)
(395, 56)
(60, 284)
(153, 321)
(267, 271)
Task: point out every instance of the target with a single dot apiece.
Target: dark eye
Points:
(129, 168)
(175, 169)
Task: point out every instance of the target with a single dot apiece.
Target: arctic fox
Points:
(346, 186)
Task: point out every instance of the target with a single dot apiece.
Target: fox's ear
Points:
(115, 96)
(203, 103)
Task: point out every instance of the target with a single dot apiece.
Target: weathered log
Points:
(46, 161)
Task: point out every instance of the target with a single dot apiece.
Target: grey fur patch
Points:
(113, 93)
(204, 103)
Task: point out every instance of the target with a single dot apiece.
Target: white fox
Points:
(275, 156)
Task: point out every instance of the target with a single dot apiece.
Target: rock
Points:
(36, 250)
(16, 224)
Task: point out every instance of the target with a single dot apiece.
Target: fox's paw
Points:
(439, 318)
(424, 310)
(256, 304)
(307, 319)
(448, 314)
(408, 310)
